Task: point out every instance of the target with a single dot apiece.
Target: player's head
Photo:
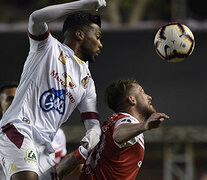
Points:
(83, 31)
(126, 93)
(7, 92)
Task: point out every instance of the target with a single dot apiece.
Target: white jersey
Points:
(53, 83)
(59, 145)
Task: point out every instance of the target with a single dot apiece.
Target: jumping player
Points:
(55, 80)
(120, 152)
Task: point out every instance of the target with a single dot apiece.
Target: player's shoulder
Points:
(125, 118)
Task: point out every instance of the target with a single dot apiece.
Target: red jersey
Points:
(110, 160)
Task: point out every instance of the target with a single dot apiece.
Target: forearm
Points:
(67, 165)
(125, 132)
(38, 19)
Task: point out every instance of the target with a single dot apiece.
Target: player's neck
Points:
(75, 47)
(135, 114)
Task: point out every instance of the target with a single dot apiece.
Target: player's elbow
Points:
(33, 18)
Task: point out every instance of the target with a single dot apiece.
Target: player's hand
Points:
(155, 120)
(94, 4)
(90, 140)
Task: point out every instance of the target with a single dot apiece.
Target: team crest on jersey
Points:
(31, 156)
(85, 81)
(53, 100)
(68, 81)
(62, 58)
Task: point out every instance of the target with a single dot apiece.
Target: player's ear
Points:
(79, 35)
(131, 100)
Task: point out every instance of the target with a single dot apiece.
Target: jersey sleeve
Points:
(42, 43)
(88, 105)
(131, 141)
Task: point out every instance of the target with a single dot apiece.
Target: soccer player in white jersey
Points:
(120, 152)
(55, 80)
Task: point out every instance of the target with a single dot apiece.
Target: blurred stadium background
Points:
(176, 151)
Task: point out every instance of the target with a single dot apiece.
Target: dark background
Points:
(178, 89)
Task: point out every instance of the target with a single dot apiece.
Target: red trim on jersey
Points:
(78, 155)
(40, 37)
(141, 141)
(14, 136)
(89, 115)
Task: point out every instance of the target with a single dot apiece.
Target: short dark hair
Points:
(117, 91)
(80, 18)
(8, 84)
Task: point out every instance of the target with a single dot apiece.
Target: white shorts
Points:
(19, 152)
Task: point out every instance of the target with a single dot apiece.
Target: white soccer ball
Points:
(174, 42)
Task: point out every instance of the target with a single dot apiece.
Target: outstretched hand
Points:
(155, 120)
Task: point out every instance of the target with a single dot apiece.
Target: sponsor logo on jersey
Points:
(65, 84)
(31, 156)
(53, 99)
(66, 81)
(85, 81)
(62, 58)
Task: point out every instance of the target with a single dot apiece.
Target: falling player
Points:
(55, 80)
(120, 152)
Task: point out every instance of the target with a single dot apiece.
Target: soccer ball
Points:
(174, 42)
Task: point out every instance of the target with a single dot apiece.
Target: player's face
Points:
(91, 46)
(144, 101)
(6, 98)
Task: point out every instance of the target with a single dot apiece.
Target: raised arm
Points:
(38, 19)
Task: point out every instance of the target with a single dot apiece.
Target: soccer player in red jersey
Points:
(120, 153)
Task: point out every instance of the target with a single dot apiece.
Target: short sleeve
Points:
(131, 141)
(39, 43)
